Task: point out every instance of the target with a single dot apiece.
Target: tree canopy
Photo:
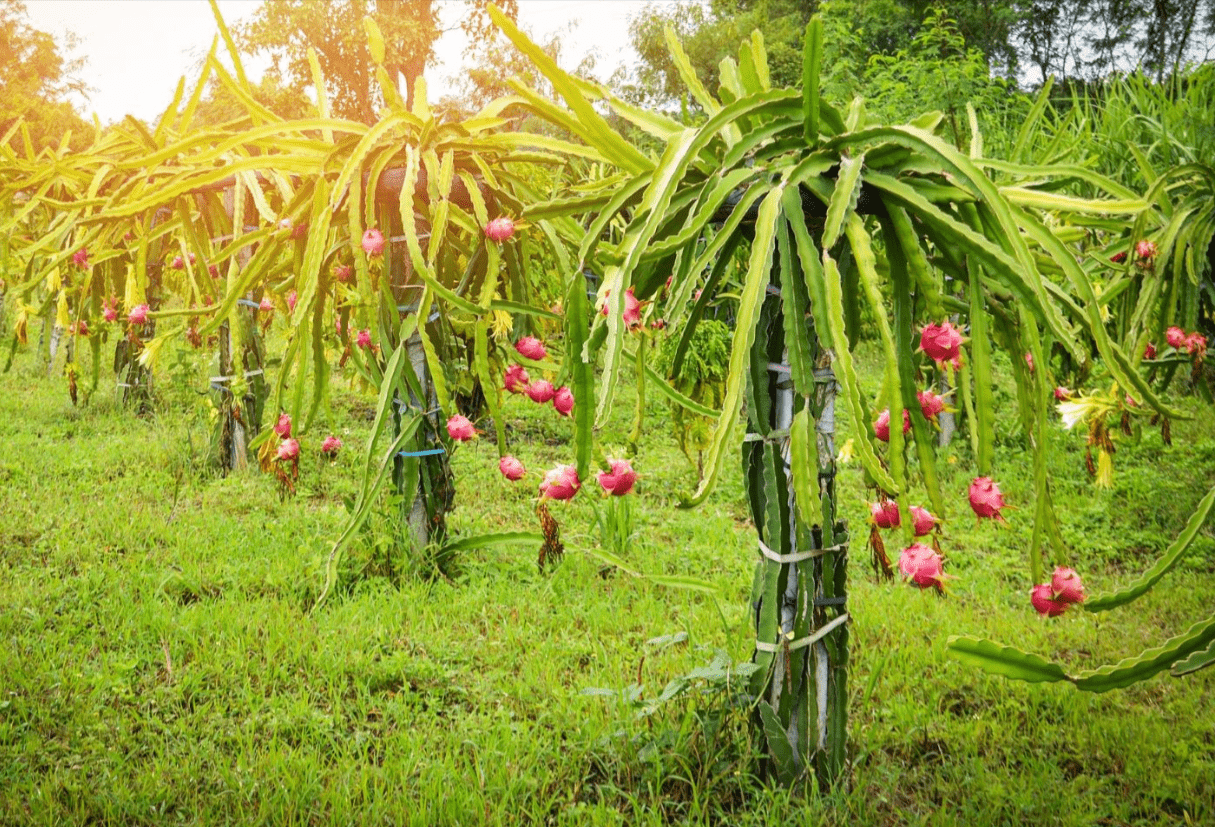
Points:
(285, 30)
(35, 79)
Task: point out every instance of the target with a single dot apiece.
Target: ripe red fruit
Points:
(1043, 600)
(942, 342)
(985, 498)
(881, 428)
(921, 565)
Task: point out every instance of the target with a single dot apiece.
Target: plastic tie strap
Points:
(248, 303)
(802, 643)
(248, 373)
(773, 437)
(776, 368)
(427, 453)
(773, 291)
(797, 556)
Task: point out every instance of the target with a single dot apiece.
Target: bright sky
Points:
(137, 49)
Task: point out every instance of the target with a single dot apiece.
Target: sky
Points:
(137, 49)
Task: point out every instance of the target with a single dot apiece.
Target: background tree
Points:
(286, 29)
(35, 79)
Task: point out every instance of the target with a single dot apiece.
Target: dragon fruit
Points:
(540, 391)
(283, 426)
(632, 308)
(560, 483)
(1149, 352)
(1063, 394)
(922, 521)
(885, 514)
(942, 342)
(563, 400)
(266, 306)
(138, 314)
(511, 468)
(921, 565)
(931, 405)
(1029, 361)
(1066, 586)
(515, 379)
(364, 338)
(460, 428)
(985, 498)
(499, 229)
(331, 446)
(1042, 598)
(620, 480)
(1175, 336)
(292, 298)
(881, 428)
(178, 263)
(1196, 343)
(373, 242)
(110, 312)
(529, 347)
(1145, 250)
(342, 272)
(81, 258)
(288, 450)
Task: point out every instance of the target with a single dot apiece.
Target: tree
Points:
(35, 80)
(286, 29)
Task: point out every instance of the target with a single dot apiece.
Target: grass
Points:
(160, 666)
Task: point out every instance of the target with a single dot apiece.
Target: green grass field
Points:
(159, 665)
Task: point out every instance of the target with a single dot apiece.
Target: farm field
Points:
(160, 664)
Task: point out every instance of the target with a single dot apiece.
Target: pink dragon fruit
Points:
(499, 229)
(985, 498)
(1149, 352)
(1063, 394)
(1175, 336)
(292, 298)
(331, 446)
(529, 347)
(540, 391)
(560, 483)
(922, 566)
(178, 263)
(563, 400)
(288, 450)
(516, 379)
(138, 314)
(342, 272)
(620, 480)
(942, 342)
(81, 258)
(511, 468)
(213, 270)
(1042, 598)
(1145, 250)
(283, 426)
(266, 306)
(885, 514)
(881, 428)
(373, 242)
(110, 312)
(930, 405)
(81, 328)
(460, 428)
(1066, 586)
(1029, 361)
(1196, 343)
(922, 521)
(364, 338)
(632, 308)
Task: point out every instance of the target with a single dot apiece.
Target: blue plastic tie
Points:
(248, 303)
(428, 453)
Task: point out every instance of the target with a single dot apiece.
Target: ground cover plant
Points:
(161, 665)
